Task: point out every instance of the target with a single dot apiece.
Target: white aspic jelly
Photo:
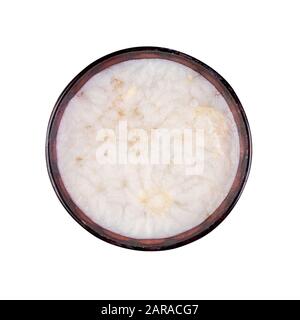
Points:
(147, 148)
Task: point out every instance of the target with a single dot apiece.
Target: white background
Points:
(254, 253)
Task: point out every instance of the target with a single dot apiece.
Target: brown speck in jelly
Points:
(136, 111)
(78, 159)
(131, 143)
(117, 83)
(121, 113)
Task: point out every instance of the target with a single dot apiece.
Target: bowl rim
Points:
(185, 237)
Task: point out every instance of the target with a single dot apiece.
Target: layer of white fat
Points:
(147, 201)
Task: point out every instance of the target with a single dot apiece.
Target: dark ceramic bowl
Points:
(244, 139)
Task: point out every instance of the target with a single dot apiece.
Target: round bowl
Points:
(244, 157)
